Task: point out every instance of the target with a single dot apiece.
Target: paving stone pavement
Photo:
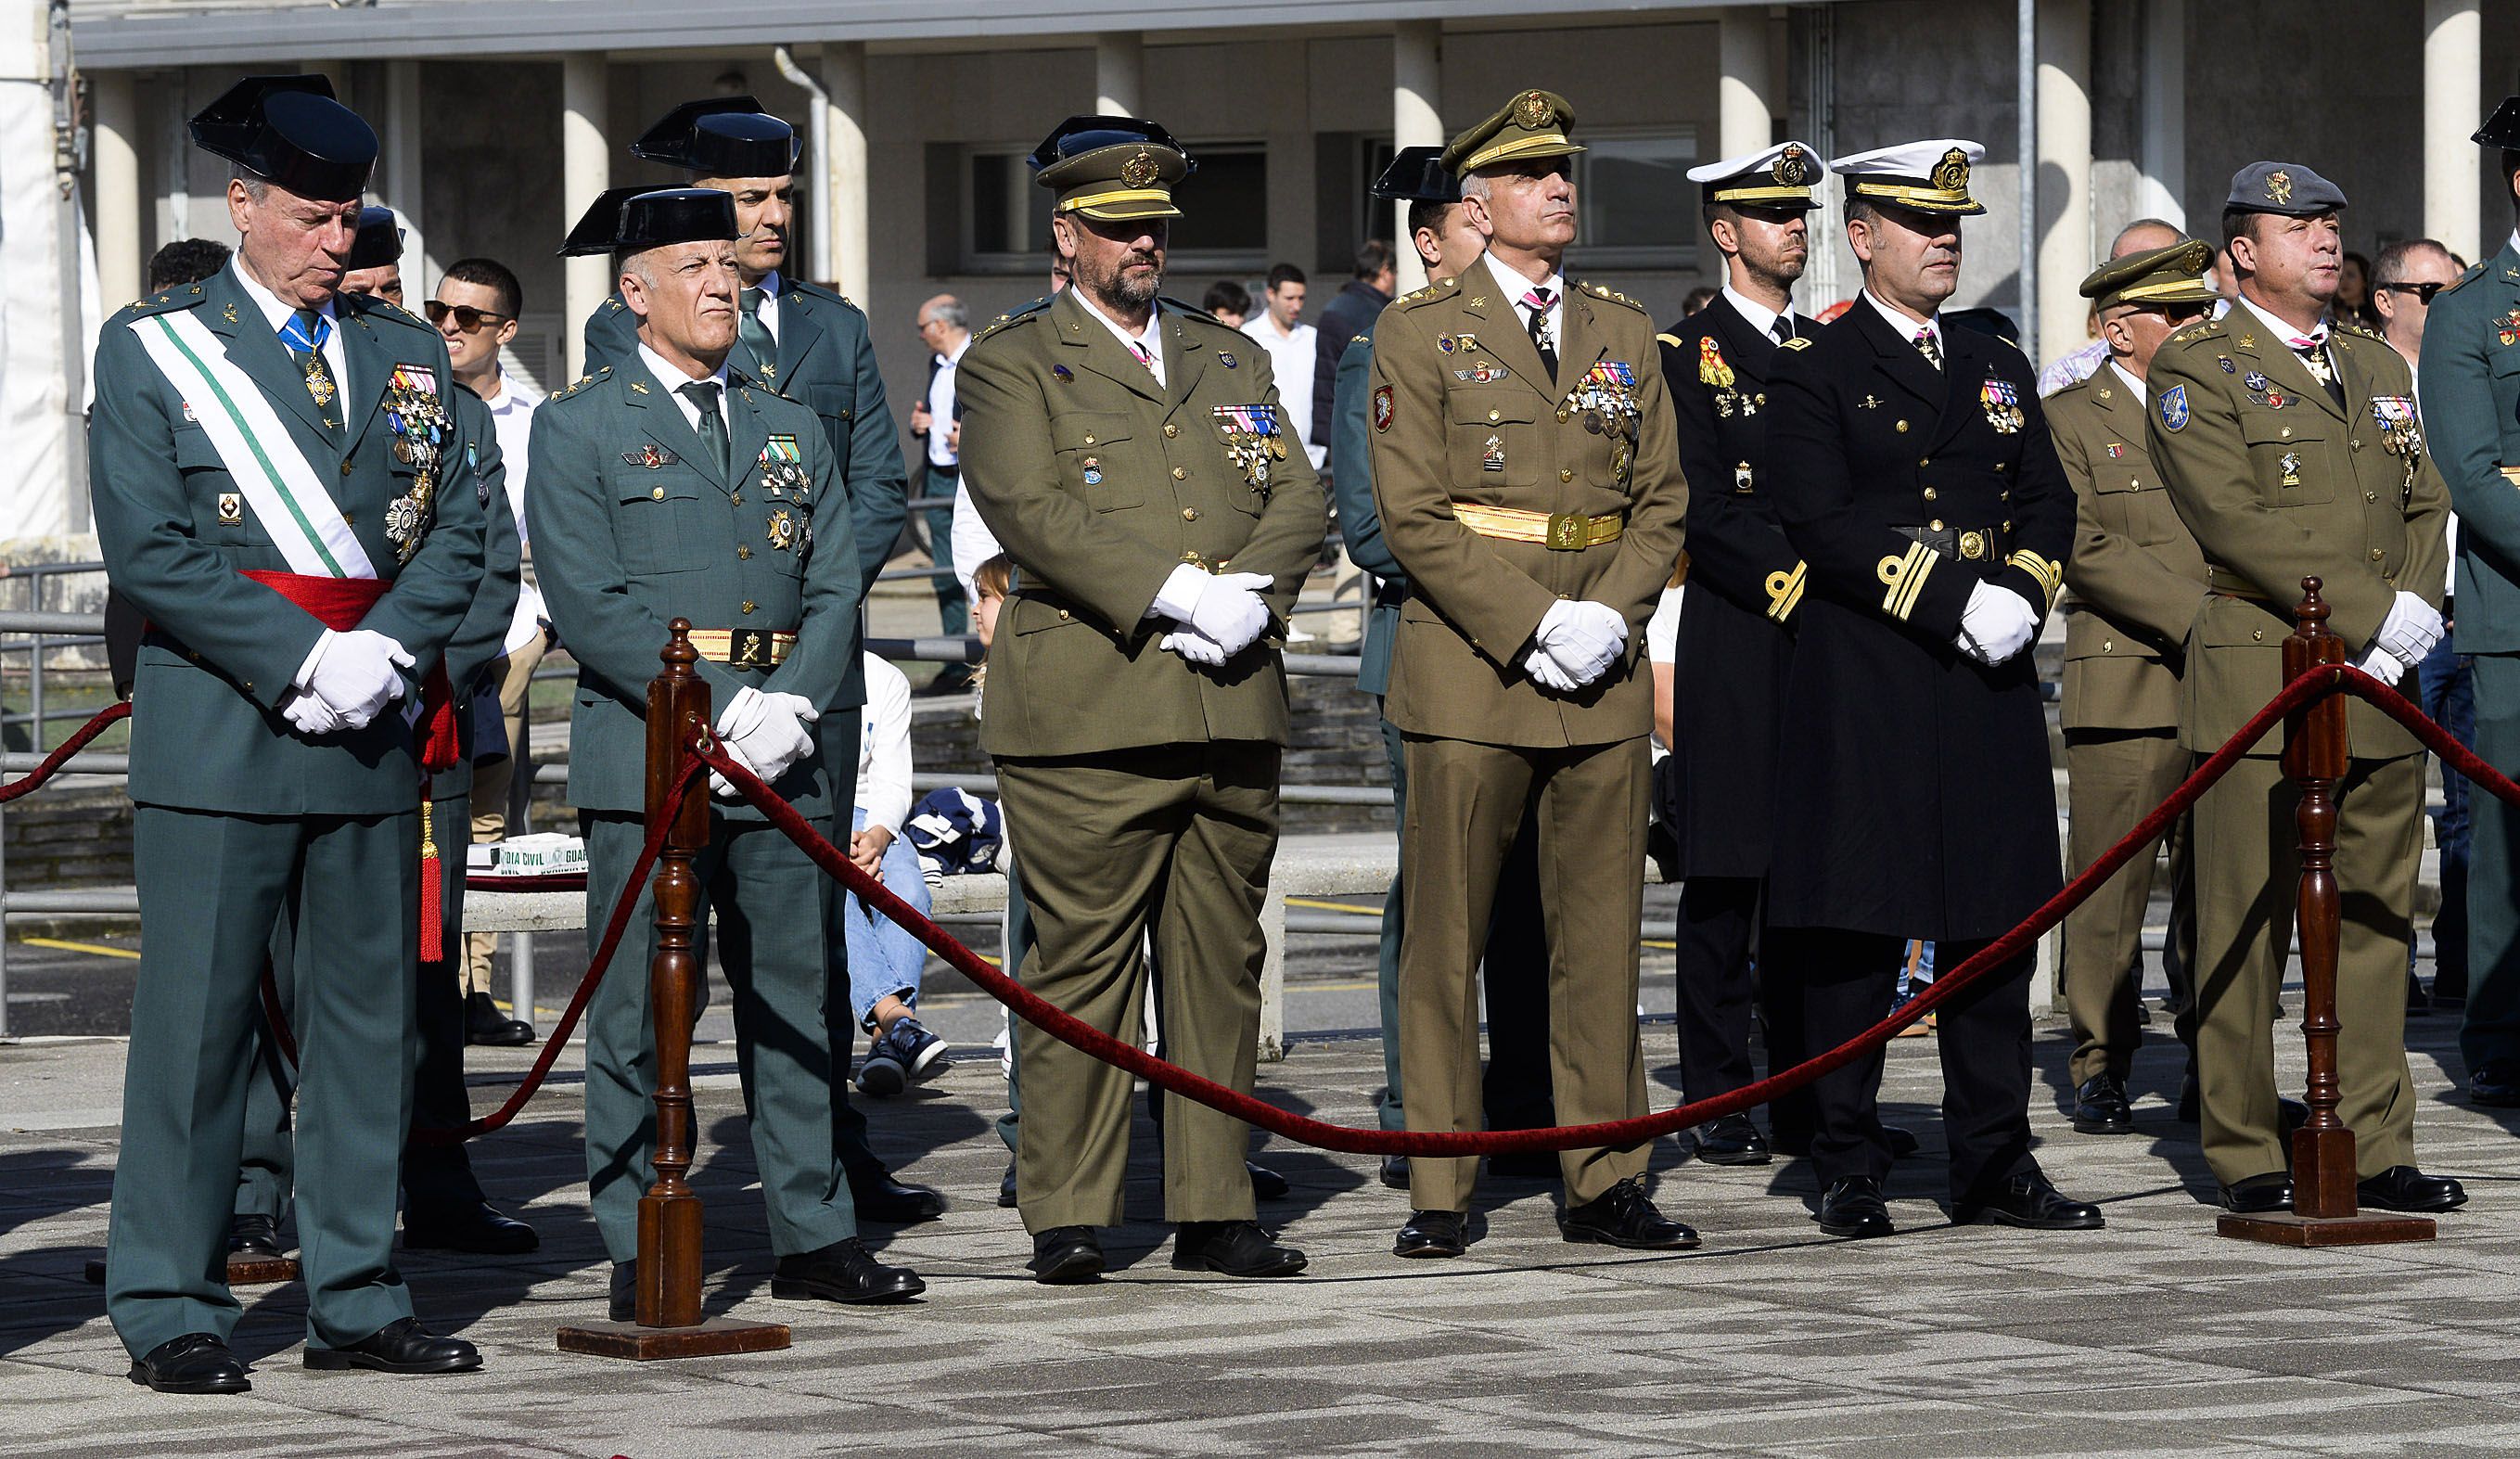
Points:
(2153, 1337)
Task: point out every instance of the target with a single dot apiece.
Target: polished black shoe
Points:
(1433, 1233)
(1237, 1248)
(402, 1346)
(1395, 1171)
(1007, 1187)
(624, 1302)
(253, 1236)
(1064, 1254)
(1902, 1140)
(1529, 1164)
(2029, 1200)
(486, 1026)
(2190, 1095)
(481, 1229)
(1266, 1184)
(887, 1202)
(2496, 1084)
(1624, 1215)
(2257, 1195)
(1732, 1141)
(2419, 1002)
(844, 1271)
(1853, 1208)
(2101, 1107)
(2405, 1188)
(193, 1363)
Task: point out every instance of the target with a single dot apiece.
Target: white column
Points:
(585, 170)
(2161, 185)
(1417, 118)
(2063, 173)
(1745, 107)
(1120, 73)
(398, 183)
(845, 167)
(118, 236)
(2453, 77)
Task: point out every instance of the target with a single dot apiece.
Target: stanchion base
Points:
(716, 1336)
(2364, 1229)
(242, 1272)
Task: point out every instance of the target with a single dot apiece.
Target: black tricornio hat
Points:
(1416, 175)
(2502, 128)
(380, 240)
(632, 220)
(724, 136)
(289, 131)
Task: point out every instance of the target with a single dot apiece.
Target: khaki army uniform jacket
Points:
(1099, 482)
(2136, 578)
(1463, 418)
(2278, 484)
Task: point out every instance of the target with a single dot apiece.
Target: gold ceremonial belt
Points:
(2510, 474)
(743, 647)
(1558, 531)
(2232, 584)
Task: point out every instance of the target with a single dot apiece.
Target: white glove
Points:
(1194, 645)
(1996, 624)
(766, 731)
(1224, 605)
(2383, 665)
(1583, 637)
(1546, 672)
(307, 714)
(356, 674)
(2411, 630)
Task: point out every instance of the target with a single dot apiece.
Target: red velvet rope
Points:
(33, 780)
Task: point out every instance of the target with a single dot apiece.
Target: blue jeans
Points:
(884, 959)
(2449, 698)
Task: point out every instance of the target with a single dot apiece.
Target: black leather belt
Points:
(1975, 544)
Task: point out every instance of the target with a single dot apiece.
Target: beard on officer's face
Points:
(1128, 270)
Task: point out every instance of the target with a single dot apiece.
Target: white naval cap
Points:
(1928, 176)
(1779, 177)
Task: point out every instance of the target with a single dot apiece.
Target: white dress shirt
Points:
(1907, 328)
(1146, 344)
(279, 314)
(1292, 358)
(512, 416)
(2126, 377)
(941, 453)
(1516, 286)
(673, 380)
(1761, 317)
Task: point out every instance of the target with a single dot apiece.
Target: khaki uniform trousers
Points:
(490, 789)
(2116, 780)
(1173, 841)
(2248, 869)
(1465, 804)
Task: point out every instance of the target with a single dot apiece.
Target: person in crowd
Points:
(1697, 298)
(1229, 301)
(1342, 319)
(375, 264)
(885, 959)
(2353, 302)
(954, 532)
(1294, 348)
(2141, 235)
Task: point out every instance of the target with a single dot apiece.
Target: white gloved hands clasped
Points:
(1225, 607)
(307, 714)
(1996, 624)
(1193, 646)
(356, 674)
(765, 732)
(2383, 665)
(2411, 631)
(1576, 643)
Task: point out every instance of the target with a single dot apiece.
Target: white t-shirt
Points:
(884, 747)
(1292, 358)
(512, 414)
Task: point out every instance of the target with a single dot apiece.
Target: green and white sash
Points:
(284, 490)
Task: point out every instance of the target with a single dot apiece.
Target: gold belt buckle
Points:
(1972, 545)
(1567, 531)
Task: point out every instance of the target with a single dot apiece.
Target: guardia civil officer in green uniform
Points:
(1528, 483)
(2131, 588)
(1129, 452)
(808, 343)
(2471, 397)
(1515, 963)
(2291, 451)
(274, 471)
(671, 486)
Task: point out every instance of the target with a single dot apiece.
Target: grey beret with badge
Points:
(2287, 189)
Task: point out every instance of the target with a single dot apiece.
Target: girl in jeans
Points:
(885, 960)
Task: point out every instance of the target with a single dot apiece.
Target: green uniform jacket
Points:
(633, 527)
(2471, 385)
(2135, 578)
(2276, 493)
(1475, 600)
(480, 640)
(825, 361)
(1360, 525)
(1099, 482)
(221, 649)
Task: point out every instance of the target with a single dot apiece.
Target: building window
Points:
(1005, 214)
(1636, 207)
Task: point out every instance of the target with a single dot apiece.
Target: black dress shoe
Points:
(1901, 1141)
(1624, 1215)
(2258, 1195)
(2496, 1084)
(2419, 1002)
(625, 1292)
(1732, 1141)
(842, 1272)
(402, 1346)
(1266, 1184)
(1007, 1187)
(486, 1026)
(1395, 1171)
(2405, 1188)
(253, 1236)
(1853, 1208)
(2029, 1200)
(1433, 1233)
(1064, 1254)
(481, 1228)
(193, 1363)
(887, 1202)
(1237, 1248)
(2190, 1095)
(2101, 1108)
(1528, 1164)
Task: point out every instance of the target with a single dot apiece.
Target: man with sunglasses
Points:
(2131, 588)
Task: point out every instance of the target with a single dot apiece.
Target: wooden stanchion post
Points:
(669, 1322)
(2316, 756)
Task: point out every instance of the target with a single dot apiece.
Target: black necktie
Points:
(711, 425)
(1783, 329)
(1538, 301)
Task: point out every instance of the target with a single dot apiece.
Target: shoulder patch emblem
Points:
(1382, 408)
(2174, 408)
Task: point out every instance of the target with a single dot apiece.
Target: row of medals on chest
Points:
(418, 423)
(782, 481)
(1606, 399)
(1254, 441)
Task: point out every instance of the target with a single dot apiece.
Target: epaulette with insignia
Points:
(580, 384)
(1015, 316)
(1195, 312)
(1419, 296)
(1603, 292)
(2365, 330)
(798, 288)
(2195, 331)
(181, 296)
(2475, 270)
(1798, 341)
(1360, 338)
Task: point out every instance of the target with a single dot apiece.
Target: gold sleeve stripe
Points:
(1671, 339)
(1785, 590)
(1905, 577)
(2050, 575)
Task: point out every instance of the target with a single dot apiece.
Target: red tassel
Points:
(432, 913)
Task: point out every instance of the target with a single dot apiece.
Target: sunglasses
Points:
(466, 318)
(2424, 291)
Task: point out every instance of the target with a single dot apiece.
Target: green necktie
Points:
(756, 335)
(711, 425)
